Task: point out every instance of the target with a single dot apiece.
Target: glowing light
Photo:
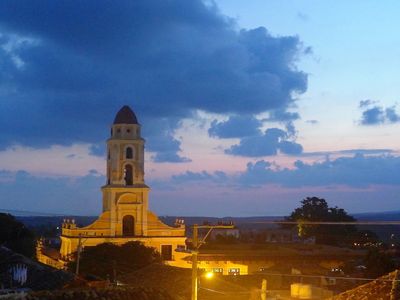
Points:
(209, 275)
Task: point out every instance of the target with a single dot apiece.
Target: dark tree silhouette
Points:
(317, 209)
(16, 236)
(107, 259)
(378, 263)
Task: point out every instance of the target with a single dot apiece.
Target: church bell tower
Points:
(126, 216)
(125, 194)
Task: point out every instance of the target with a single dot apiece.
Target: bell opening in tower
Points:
(129, 153)
(128, 175)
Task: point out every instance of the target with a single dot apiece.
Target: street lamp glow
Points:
(209, 275)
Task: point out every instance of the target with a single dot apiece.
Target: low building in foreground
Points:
(126, 215)
(246, 259)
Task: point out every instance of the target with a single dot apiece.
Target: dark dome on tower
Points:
(125, 116)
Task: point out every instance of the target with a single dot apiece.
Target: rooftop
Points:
(381, 288)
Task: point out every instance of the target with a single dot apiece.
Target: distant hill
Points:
(51, 226)
(387, 233)
(243, 223)
(379, 216)
(36, 221)
(384, 232)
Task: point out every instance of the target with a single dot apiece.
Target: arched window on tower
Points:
(129, 153)
(128, 175)
(128, 225)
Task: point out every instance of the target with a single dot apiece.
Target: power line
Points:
(283, 222)
(214, 291)
(328, 223)
(334, 277)
(66, 216)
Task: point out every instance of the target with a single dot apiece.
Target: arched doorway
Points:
(128, 175)
(128, 226)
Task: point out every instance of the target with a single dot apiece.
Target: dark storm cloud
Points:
(366, 103)
(189, 176)
(68, 66)
(248, 129)
(282, 116)
(375, 114)
(349, 152)
(356, 171)
(391, 115)
(235, 127)
(253, 142)
(23, 191)
(272, 141)
(291, 130)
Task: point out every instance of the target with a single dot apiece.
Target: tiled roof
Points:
(381, 288)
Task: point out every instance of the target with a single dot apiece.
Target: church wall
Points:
(70, 244)
(121, 201)
(124, 194)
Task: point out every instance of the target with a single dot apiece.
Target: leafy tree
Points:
(224, 239)
(14, 235)
(378, 263)
(317, 210)
(105, 259)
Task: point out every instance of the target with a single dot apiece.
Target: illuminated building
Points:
(126, 215)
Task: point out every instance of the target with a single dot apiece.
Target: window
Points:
(234, 271)
(128, 226)
(129, 153)
(217, 271)
(166, 252)
(128, 175)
